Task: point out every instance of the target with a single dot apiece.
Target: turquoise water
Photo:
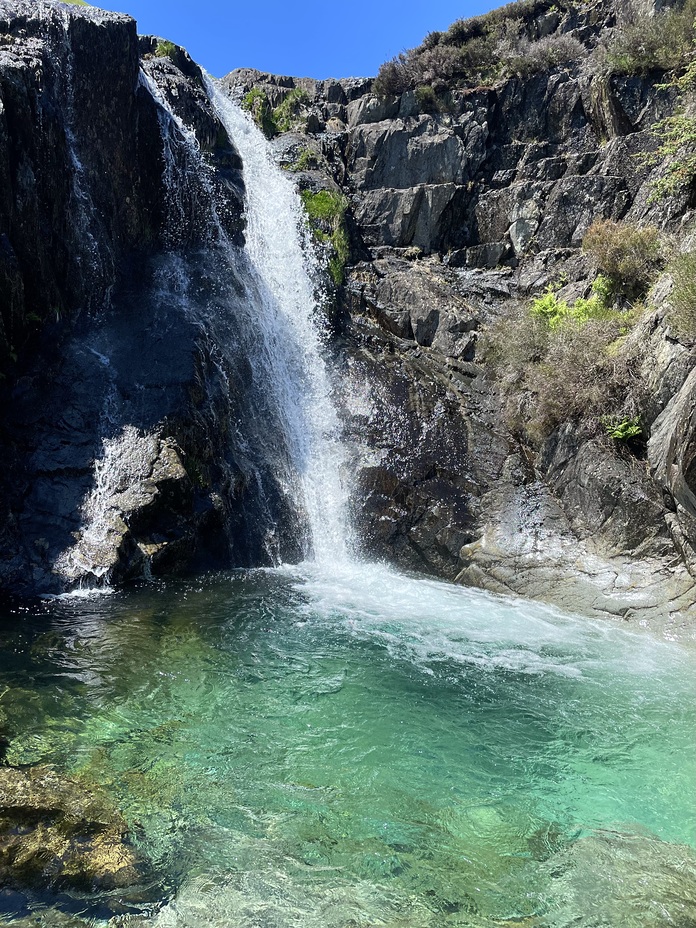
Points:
(299, 749)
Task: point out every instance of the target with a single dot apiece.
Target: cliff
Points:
(446, 197)
(119, 382)
(482, 454)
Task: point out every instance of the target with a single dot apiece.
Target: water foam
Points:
(428, 622)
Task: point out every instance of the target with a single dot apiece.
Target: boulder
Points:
(56, 833)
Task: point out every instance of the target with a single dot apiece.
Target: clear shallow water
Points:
(293, 748)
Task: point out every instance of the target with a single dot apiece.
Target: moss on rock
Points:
(326, 212)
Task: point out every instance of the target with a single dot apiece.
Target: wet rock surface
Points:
(58, 834)
(460, 216)
(107, 357)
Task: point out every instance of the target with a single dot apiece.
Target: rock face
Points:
(113, 338)
(459, 213)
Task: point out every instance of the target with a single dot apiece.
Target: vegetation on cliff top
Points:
(165, 49)
(481, 50)
(664, 41)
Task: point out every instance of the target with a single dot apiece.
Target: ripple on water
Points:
(298, 749)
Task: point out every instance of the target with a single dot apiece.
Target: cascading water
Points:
(254, 315)
(276, 327)
(281, 256)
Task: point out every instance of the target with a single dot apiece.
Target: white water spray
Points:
(280, 253)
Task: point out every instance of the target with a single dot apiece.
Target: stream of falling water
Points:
(278, 247)
(254, 308)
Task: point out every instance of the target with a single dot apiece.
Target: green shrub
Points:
(393, 77)
(676, 137)
(683, 297)
(622, 428)
(324, 205)
(556, 312)
(326, 212)
(523, 56)
(662, 41)
(288, 114)
(256, 103)
(559, 361)
(165, 49)
(515, 343)
(677, 147)
(307, 160)
(467, 53)
(627, 256)
(427, 99)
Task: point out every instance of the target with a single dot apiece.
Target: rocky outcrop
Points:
(461, 209)
(121, 202)
(118, 462)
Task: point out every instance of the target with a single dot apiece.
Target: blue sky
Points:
(305, 38)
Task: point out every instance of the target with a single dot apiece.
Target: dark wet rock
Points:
(56, 833)
(105, 217)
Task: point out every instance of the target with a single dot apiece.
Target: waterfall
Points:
(266, 416)
(279, 251)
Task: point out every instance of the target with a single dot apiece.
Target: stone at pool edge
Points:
(56, 833)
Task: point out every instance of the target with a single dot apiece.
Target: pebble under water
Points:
(294, 748)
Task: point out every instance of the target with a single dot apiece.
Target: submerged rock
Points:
(56, 833)
(613, 878)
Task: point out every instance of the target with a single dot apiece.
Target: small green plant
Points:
(683, 297)
(676, 134)
(556, 312)
(288, 114)
(628, 257)
(559, 361)
(324, 205)
(165, 49)
(427, 99)
(326, 212)
(307, 160)
(677, 147)
(256, 103)
(624, 428)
